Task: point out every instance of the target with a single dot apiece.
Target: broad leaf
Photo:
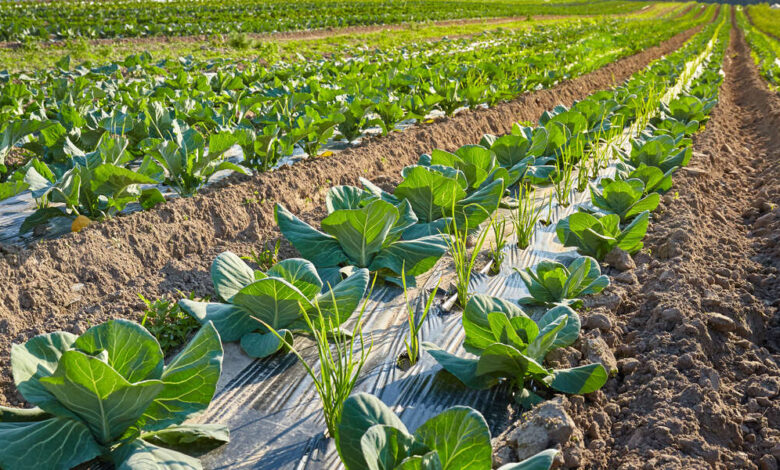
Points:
(461, 438)
(361, 412)
(189, 381)
(55, 443)
(105, 400)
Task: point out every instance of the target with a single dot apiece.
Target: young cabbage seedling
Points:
(552, 283)
(510, 346)
(373, 437)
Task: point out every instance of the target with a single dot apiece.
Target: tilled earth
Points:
(691, 326)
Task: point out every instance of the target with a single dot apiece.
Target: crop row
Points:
(89, 142)
(765, 49)
(109, 392)
(131, 18)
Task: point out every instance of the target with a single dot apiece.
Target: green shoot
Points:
(165, 320)
(526, 216)
(497, 248)
(339, 365)
(457, 242)
(266, 258)
(415, 322)
(564, 169)
(548, 220)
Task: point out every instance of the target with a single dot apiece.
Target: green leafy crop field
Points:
(133, 18)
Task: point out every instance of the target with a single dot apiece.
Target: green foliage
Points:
(108, 393)
(266, 258)
(167, 322)
(498, 244)
(552, 283)
(625, 198)
(415, 322)
(363, 233)
(596, 237)
(339, 364)
(373, 437)
(261, 307)
(510, 346)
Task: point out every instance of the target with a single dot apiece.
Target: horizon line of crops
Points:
(166, 108)
(133, 18)
(765, 49)
(141, 422)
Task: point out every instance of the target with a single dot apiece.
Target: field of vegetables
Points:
(551, 245)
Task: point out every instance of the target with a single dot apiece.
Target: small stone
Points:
(543, 427)
(608, 300)
(620, 260)
(502, 456)
(628, 366)
(764, 220)
(767, 462)
(685, 361)
(694, 171)
(720, 322)
(672, 314)
(77, 287)
(674, 245)
(766, 388)
(596, 350)
(627, 277)
(599, 321)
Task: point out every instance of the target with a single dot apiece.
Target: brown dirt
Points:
(89, 277)
(695, 326)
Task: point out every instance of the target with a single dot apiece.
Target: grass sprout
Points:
(497, 247)
(341, 355)
(464, 261)
(526, 216)
(415, 322)
(266, 258)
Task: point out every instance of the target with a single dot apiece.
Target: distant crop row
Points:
(108, 393)
(132, 18)
(85, 141)
(765, 48)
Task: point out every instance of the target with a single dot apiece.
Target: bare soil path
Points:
(695, 327)
(85, 278)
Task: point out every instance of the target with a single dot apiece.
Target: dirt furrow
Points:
(693, 328)
(86, 278)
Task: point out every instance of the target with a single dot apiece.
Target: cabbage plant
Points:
(598, 236)
(278, 297)
(373, 437)
(369, 235)
(661, 151)
(553, 283)
(436, 197)
(511, 346)
(625, 198)
(477, 164)
(96, 184)
(108, 393)
(652, 178)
